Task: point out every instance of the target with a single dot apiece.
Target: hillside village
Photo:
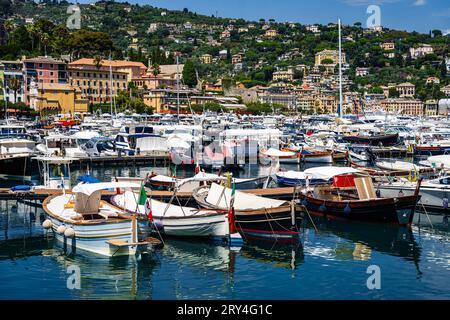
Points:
(128, 53)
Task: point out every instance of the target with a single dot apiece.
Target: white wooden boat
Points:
(190, 184)
(439, 162)
(435, 194)
(398, 166)
(255, 216)
(82, 221)
(176, 220)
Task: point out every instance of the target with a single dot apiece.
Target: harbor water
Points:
(334, 262)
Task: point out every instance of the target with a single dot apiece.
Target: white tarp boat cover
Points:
(128, 201)
(397, 165)
(163, 178)
(272, 152)
(90, 188)
(300, 175)
(438, 161)
(152, 143)
(326, 173)
(220, 196)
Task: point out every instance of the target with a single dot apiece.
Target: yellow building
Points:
(411, 107)
(283, 75)
(332, 55)
(56, 98)
(95, 84)
(206, 58)
(271, 33)
(131, 68)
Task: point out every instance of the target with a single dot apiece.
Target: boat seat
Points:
(365, 188)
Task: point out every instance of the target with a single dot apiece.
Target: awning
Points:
(326, 173)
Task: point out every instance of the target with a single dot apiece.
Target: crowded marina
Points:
(349, 177)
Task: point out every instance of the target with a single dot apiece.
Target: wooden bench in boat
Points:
(122, 243)
(149, 241)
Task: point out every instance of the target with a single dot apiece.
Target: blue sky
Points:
(411, 15)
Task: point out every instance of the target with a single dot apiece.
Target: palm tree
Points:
(32, 31)
(98, 62)
(156, 69)
(15, 85)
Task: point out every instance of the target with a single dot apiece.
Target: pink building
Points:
(40, 70)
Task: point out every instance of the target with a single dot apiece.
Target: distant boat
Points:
(312, 176)
(374, 140)
(190, 184)
(82, 221)
(284, 156)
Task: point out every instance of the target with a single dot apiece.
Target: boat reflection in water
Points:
(279, 255)
(117, 277)
(363, 240)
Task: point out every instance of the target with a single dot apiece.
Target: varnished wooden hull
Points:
(386, 210)
(273, 224)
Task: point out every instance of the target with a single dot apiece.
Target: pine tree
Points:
(189, 75)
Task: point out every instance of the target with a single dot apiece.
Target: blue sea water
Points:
(330, 263)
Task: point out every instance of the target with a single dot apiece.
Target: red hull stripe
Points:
(269, 232)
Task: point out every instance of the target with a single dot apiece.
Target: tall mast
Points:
(178, 94)
(111, 85)
(340, 71)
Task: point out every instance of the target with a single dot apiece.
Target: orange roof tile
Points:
(114, 63)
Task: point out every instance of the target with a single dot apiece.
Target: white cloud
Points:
(420, 2)
(367, 2)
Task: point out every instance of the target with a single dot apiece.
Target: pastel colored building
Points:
(57, 98)
(132, 68)
(43, 70)
(9, 70)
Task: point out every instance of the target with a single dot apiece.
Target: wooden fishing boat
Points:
(312, 176)
(306, 155)
(181, 221)
(162, 182)
(255, 216)
(82, 221)
(354, 198)
(432, 149)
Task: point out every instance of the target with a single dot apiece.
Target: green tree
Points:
(15, 85)
(189, 74)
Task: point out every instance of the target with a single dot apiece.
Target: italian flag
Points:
(231, 218)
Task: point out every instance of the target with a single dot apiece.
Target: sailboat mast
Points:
(340, 71)
(178, 94)
(111, 85)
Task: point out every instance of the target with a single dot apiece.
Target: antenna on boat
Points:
(178, 94)
(340, 70)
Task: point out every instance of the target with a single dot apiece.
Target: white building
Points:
(421, 51)
(362, 72)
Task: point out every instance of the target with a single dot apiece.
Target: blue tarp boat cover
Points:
(87, 179)
(21, 188)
